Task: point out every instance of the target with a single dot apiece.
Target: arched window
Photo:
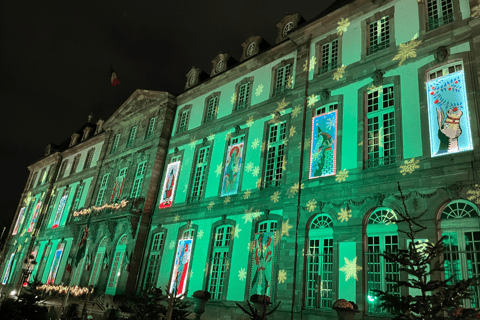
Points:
(117, 264)
(320, 263)
(460, 225)
(219, 264)
(154, 258)
(98, 262)
(382, 236)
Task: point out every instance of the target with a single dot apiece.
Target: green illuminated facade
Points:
(279, 173)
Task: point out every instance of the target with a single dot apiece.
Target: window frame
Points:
(150, 128)
(63, 168)
(274, 92)
(33, 180)
(115, 143)
(117, 266)
(205, 165)
(187, 109)
(102, 247)
(75, 163)
(102, 189)
(89, 159)
(319, 53)
(158, 253)
(214, 114)
(238, 89)
(365, 25)
(276, 144)
(139, 177)
(132, 136)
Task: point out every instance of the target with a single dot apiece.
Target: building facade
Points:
(280, 173)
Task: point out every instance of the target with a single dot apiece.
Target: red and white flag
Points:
(114, 79)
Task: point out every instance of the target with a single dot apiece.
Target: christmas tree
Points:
(423, 265)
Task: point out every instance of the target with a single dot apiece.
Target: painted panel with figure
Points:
(323, 155)
(181, 267)
(233, 164)
(169, 185)
(262, 264)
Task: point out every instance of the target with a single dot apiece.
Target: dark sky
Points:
(55, 58)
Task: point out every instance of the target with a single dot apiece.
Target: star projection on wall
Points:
(228, 135)
(248, 216)
(305, 65)
(342, 26)
(286, 226)
(249, 167)
(475, 194)
(259, 90)
(200, 234)
(256, 171)
(275, 197)
(246, 194)
(171, 245)
(284, 163)
(344, 214)
(292, 131)
(312, 100)
(255, 143)
(259, 183)
(210, 137)
(219, 169)
(475, 12)
(407, 50)
(294, 190)
(282, 105)
(313, 62)
(311, 205)
(234, 98)
(350, 268)
(210, 205)
(193, 142)
(339, 73)
(176, 218)
(256, 214)
(290, 82)
(242, 274)
(409, 166)
(227, 200)
(296, 111)
(342, 175)
(282, 276)
(236, 231)
(249, 122)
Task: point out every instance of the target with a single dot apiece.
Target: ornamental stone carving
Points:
(441, 54)
(378, 77)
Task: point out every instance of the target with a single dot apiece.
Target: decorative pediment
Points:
(288, 23)
(194, 76)
(86, 133)
(74, 139)
(221, 63)
(252, 46)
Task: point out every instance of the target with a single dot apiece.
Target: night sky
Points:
(55, 58)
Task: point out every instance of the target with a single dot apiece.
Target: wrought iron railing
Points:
(378, 47)
(195, 198)
(378, 162)
(328, 67)
(210, 117)
(441, 21)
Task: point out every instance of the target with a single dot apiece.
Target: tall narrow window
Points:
(138, 182)
(379, 38)
(211, 109)
(89, 159)
(98, 262)
(119, 183)
(462, 254)
(117, 265)
(382, 236)
(75, 163)
(116, 141)
(329, 56)
(219, 264)
(153, 266)
(8, 268)
(320, 263)
(281, 81)
(275, 154)
(440, 12)
(63, 168)
(42, 177)
(103, 188)
(78, 197)
(43, 262)
(199, 175)
(31, 268)
(57, 258)
(380, 114)
(131, 136)
(51, 170)
(184, 121)
(326, 109)
(150, 128)
(20, 219)
(34, 178)
(243, 95)
(233, 165)
(33, 220)
(61, 208)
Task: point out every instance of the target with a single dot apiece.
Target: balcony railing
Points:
(272, 183)
(328, 67)
(378, 47)
(210, 117)
(441, 21)
(378, 162)
(182, 129)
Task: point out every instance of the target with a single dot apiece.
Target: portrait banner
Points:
(323, 152)
(181, 267)
(233, 164)
(171, 179)
(34, 217)
(262, 264)
(448, 115)
(21, 217)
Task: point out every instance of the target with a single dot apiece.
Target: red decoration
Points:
(433, 88)
(456, 81)
(68, 268)
(88, 267)
(436, 101)
(455, 109)
(432, 93)
(449, 88)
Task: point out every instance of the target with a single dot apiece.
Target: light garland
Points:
(76, 291)
(115, 206)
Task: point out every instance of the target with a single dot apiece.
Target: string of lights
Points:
(76, 291)
(114, 206)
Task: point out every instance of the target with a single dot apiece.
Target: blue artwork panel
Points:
(323, 152)
(181, 267)
(233, 164)
(448, 115)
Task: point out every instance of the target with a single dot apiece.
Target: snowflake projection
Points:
(246, 194)
(228, 135)
(286, 228)
(234, 98)
(407, 50)
(342, 26)
(290, 82)
(313, 62)
(376, 139)
(259, 90)
(282, 276)
(210, 205)
(373, 88)
(249, 122)
(312, 100)
(176, 218)
(210, 137)
(475, 194)
(284, 163)
(236, 231)
(249, 167)
(305, 65)
(339, 73)
(251, 246)
(256, 171)
(242, 274)
(186, 188)
(219, 169)
(275, 117)
(282, 105)
(344, 214)
(296, 111)
(248, 216)
(227, 265)
(409, 166)
(255, 143)
(275, 197)
(475, 12)
(227, 200)
(259, 183)
(294, 189)
(200, 234)
(285, 141)
(342, 175)
(256, 214)
(190, 274)
(193, 142)
(263, 146)
(350, 268)
(171, 245)
(292, 131)
(330, 123)
(311, 205)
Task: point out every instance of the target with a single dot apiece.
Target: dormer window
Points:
(286, 28)
(250, 49)
(193, 78)
(99, 126)
(219, 66)
(252, 46)
(74, 139)
(86, 133)
(287, 24)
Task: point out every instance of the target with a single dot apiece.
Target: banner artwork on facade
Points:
(171, 178)
(448, 115)
(233, 164)
(34, 217)
(262, 264)
(323, 153)
(181, 267)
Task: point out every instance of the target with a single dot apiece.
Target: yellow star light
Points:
(339, 73)
(286, 228)
(292, 131)
(247, 217)
(284, 163)
(255, 143)
(313, 62)
(275, 197)
(342, 26)
(257, 214)
(176, 218)
(305, 65)
(236, 231)
(409, 166)
(342, 175)
(256, 171)
(210, 205)
(475, 194)
(290, 81)
(263, 146)
(228, 135)
(259, 90)
(311, 205)
(210, 137)
(407, 50)
(350, 268)
(282, 105)
(249, 122)
(344, 214)
(219, 169)
(193, 142)
(259, 183)
(296, 111)
(234, 98)
(227, 200)
(246, 194)
(249, 167)
(312, 100)
(242, 274)
(282, 276)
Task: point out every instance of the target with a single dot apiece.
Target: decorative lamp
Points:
(200, 298)
(346, 310)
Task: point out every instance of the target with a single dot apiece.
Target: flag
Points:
(82, 245)
(114, 79)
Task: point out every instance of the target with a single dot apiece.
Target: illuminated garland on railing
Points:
(76, 291)
(115, 206)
